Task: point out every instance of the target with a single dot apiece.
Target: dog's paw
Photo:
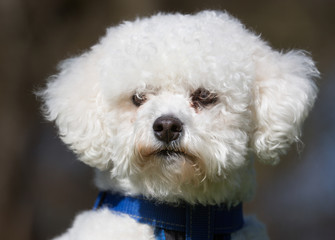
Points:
(105, 225)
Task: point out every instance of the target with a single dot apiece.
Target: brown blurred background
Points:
(42, 186)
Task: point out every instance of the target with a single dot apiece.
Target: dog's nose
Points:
(167, 128)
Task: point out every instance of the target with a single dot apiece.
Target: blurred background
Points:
(42, 185)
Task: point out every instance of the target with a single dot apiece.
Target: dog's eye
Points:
(203, 97)
(138, 99)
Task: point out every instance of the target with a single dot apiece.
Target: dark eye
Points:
(138, 99)
(203, 97)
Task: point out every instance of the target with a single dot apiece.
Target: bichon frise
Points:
(169, 110)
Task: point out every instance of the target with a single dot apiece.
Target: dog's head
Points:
(170, 106)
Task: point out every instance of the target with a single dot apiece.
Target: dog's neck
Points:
(237, 186)
(197, 222)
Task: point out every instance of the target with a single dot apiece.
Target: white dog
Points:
(169, 109)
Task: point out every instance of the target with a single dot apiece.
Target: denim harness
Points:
(198, 222)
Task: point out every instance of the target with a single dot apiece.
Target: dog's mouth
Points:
(165, 152)
(170, 153)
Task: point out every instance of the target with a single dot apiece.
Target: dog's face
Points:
(170, 135)
(170, 106)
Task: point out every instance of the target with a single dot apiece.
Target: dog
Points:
(170, 111)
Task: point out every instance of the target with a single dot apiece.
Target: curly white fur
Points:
(263, 98)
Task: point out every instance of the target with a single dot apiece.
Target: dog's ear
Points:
(71, 100)
(285, 92)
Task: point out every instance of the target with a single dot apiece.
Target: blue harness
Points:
(198, 222)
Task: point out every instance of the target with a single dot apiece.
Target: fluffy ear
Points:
(70, 99)
(284, 94)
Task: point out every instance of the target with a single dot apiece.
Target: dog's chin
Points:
(175, 163)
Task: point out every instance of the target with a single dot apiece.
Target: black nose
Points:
(167, 128)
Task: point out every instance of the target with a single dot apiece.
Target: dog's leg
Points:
(105, 225)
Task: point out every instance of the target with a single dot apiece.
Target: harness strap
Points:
(198, 222)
